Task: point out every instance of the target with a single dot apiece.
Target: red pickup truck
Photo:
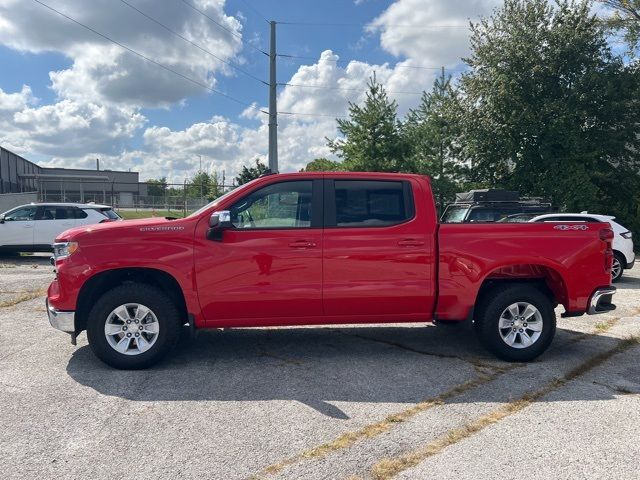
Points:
(324, 248)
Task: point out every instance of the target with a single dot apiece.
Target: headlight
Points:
(64, 249)
(626, 234)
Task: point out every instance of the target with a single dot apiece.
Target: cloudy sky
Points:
(185, 77)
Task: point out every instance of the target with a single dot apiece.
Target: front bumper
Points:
(64, 321)
(630, 264)
(600, 301)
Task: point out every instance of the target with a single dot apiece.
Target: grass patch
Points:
(390, 467)
(605, 326)
(137, 214)
(23, 298)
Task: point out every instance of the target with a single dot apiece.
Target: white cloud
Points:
(71, 128)
(12, 102)
(404, 32)
(223, 143)
(100, 96)
(102, 71)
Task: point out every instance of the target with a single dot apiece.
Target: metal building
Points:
(18, 174)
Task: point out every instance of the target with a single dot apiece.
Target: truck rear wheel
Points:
(133, 326)
(517, 323)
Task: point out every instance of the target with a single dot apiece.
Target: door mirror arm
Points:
(218, 223)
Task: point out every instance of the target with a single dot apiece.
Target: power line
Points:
(169, 69)
(255, 10)
(328, 87)
(231, 64)
(235, 34)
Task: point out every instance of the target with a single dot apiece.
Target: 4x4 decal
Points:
(571, 227)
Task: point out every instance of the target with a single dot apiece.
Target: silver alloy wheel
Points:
(616, 268)
(131, 329)
(520, 325)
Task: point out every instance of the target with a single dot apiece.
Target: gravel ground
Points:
(403, 401)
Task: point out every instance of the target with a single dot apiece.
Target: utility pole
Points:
(273, 108)
(201, 176)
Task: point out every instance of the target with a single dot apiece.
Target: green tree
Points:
(251, 173)
(371, 138)
(323, 165)
(625, 18)
(548, 109)
(205, 185)
(431, 131)
(157, 187)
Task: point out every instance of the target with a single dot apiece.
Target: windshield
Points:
(455, 214)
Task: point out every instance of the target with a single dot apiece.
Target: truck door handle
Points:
(410, 242)
(302, 244)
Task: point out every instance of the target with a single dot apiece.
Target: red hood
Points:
(127, 225)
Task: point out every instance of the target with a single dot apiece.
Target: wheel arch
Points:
(104, 281)
(545, 277)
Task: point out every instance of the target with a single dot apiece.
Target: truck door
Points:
(378, 250)
(270, 264)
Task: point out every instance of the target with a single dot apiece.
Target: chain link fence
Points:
(178, 198)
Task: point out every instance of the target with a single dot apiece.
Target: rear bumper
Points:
(630, 264)
(64, 321)
(600, 301)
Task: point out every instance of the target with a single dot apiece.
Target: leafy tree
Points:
(204, 185)
(548, 109)
(251, 173)
(157, 187)
(372, 140)
(323, 165)
(431, 131)
(626, 19)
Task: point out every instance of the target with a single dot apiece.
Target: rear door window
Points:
(370, 203)
(54, 212)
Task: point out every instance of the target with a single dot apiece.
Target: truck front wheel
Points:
(133, 326)
(516, 322)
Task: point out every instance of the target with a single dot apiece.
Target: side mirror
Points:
(218, 223)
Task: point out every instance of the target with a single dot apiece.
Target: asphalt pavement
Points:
(405, 401)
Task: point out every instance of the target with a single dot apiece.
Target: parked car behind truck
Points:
(492, 205)
(624, 256)
(323, 248)
(34, 227)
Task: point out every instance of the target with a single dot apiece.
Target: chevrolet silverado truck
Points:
(324, 248)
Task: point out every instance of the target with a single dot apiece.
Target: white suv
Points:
(624, 256)
(33, 227)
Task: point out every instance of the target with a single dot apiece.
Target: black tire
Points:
(617, 256)
(495, 302)
(164, 310)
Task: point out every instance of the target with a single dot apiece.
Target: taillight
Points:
(626, 235)
(606, 235)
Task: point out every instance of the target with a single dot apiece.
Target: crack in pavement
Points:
(389, 467)
(348, 439)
